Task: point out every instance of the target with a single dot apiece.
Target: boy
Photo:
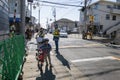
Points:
(46, 48)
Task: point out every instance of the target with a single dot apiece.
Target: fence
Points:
(12, 52)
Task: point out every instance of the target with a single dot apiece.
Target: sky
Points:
(69, 12)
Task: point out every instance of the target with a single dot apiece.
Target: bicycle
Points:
(40, 56)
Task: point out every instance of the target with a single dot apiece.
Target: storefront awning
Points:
(16, 20)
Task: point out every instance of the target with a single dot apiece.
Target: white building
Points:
(106, 16)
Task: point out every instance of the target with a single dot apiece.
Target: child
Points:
(46, 48)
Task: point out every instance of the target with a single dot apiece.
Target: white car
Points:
(63, 34)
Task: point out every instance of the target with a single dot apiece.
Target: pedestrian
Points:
(56, 34)
(12, 30)
(40, 33)
(28, 33)
(46, 48)
(39, 37)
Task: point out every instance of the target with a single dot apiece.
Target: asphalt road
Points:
(95, 60)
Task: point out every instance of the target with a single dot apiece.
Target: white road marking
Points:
(93, 59)
(86, 45)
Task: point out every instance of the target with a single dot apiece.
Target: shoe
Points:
(51, 65)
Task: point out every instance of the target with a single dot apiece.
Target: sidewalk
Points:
(59, 71)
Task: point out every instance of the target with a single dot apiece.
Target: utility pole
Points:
(85, 15)
(54, 14)
(39, 14)
(22, 17)
(85, 19)
(30, 14)
(37, 4)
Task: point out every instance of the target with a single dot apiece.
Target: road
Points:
(95, 60)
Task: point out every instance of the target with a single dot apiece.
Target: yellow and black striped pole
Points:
(14, 17)
(13, 27)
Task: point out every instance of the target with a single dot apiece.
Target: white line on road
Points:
(93, 59)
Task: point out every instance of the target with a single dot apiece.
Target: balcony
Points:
(116, 11)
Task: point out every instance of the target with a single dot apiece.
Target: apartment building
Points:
(106, 16)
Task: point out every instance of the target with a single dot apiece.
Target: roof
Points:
(64, 20)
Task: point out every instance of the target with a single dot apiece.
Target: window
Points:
(113, 17)
(96, 6)
(101, 27)
(118, 7)
(107, 17)
(109, 6)
(114, 6)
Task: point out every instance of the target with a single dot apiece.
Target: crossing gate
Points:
(12, 53)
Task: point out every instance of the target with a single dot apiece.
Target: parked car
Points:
(63, 33)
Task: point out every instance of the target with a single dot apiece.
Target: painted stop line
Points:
(96, 59)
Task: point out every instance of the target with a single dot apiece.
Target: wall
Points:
(4, 19)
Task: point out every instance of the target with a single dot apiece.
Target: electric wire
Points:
(61, 4)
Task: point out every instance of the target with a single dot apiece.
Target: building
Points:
(66, 24)
(4, 19)
(118, 0)
(105, 16)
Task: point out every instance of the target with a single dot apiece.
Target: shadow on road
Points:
(63, 60)
(100, 40)
(100, 73)
(115, 53)
(48, 75)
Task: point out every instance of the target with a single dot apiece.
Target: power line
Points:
(53, 6)
(61, 4)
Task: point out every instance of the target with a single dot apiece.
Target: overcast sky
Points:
(69, 12)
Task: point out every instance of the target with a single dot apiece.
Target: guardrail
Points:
(12, 53)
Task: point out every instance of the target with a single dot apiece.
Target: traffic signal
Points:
(83, 9)
(27, 19)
